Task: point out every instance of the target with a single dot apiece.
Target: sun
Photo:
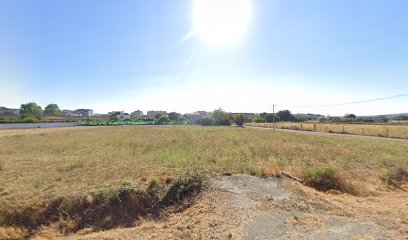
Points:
(221, 22)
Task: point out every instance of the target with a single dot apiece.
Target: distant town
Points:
(31, 112)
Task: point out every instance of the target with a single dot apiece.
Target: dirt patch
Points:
(276, 208)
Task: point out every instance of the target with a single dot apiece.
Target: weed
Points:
(325, 179)
(189, 184)
(394, 177)
(252, 171)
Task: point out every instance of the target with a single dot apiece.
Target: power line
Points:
(356, 102)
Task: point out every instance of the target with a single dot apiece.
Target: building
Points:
(77, 113)
(196, 116)
(136, 114)
(309, 116)
(85, 112)
(9, 112)
(69, 113)
(156, 114)
(121, 115)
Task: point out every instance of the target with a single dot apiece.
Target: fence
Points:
(129, 123)
(391, 131)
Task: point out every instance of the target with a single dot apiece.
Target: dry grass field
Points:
(377, 130)
(41, 164)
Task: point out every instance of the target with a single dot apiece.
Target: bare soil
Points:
(248, 207)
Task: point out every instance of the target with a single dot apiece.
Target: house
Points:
(77, 113)
(156, 114)
(69, 113)
(136, 114)
(196, 116)
(9, 112)
(85, 112)
(121, 115)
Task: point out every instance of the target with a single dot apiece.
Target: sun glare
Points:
(221, 22)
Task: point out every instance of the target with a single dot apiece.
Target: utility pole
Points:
(273, 114)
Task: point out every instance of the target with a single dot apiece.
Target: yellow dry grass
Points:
(43, 164)
(391, 131)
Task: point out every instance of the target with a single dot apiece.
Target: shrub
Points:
(258, 120)
(240, 120)
(394, 177)
(207, 122)
(163, 119)
(326, 178)
(189, 184)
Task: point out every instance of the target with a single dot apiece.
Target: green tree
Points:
(268, 117)
(350, 115)
(258, 119)
(113, 118)
(286, 116)
(31, 109)
(175, 116)
(163, 119)
(221, 118)
(239, 120)
(52, 110)
(207, 122)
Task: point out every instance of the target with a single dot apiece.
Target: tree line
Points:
(33, 110)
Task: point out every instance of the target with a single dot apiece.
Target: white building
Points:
(69, 113)
(85, 112)
(121, 115)
(194, 117)
(137, 114)
(156, 114)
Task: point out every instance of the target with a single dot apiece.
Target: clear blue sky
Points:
(129, 55)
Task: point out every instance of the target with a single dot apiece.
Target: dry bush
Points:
(120, 206)
(325, 179)
(394, 177)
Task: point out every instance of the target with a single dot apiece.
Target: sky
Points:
(163, 55)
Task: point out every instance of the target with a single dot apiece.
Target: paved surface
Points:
(270, 211)
(333, 134)
(37, 125)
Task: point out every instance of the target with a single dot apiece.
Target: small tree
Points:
(113, 118)
(163, 119)
(52, 110)
(258, 119)
(239, 120)
(350, 115)
(31, 109)
(175, 116)
(221, 118)
(207, 122)
(286, 116)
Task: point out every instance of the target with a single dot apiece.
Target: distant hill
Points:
(388, 116)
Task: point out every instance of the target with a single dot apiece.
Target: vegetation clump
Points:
(186, 186)
(394, 177)
(325, 179)
(240, 120)
(119, 206)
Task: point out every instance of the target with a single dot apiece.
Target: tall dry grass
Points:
(391, 131)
